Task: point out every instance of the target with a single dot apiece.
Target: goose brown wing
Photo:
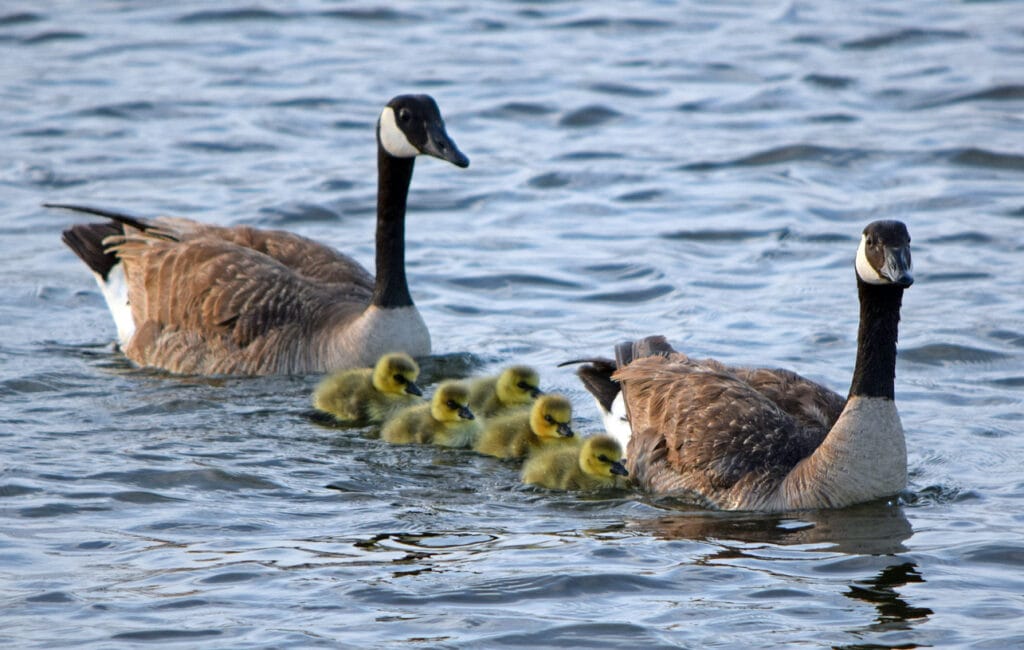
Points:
(198, 294)
(702, 430)
(813, 405)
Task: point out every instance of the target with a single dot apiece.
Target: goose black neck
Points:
(875, 372)
(393, 177)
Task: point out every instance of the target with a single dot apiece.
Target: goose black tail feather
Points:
(596, 376)
(86, 240)
(120, 217)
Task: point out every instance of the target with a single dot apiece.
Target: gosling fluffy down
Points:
(446, 420)
(519, 433)
(516, 386)
(370, 395)
(592, 465)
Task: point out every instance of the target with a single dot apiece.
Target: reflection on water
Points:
(882, 591)
(873, 528)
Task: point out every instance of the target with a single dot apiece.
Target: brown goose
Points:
(756, 439)
(192, 298)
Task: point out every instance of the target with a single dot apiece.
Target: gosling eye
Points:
(524, 386)
(404, 115)
(603, 459)
(452, 404)
(549, 419)
(400, 379)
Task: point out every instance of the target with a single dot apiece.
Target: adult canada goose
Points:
(370, 395)
(515, 386)
(593, 464)
(517, 434)
(446, 420)
(192, 298)
(705, 430)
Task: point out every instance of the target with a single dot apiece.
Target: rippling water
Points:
(695, 169)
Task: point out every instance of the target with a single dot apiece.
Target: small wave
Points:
(227, 147)
(785, 154)
(297, 213)
(734, 235)
(1000, 93)
(976, 157)
(140, 497)
(832, 82)
(164, 635)
(306, 102)
(610, 23)
(905, 37)
(514, 590)
(998, 554)
(204, 479)
(593, 115)
(127, 111)
(622, 90)
(15, 490)
(935, 354)
(230, 15)
(968, 237)
(549, 180)
(592, 635)
(378, 14)
(640, 196)
(48, 37)
(955, 277)
(630, 296)
(20, 18)
(51, 597)
(505, 280)
(620, 270)
(516, 110)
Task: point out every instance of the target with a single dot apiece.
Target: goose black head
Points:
(411, 125)
(884, 254)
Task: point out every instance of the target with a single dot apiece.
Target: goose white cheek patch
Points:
(392, 138)
(867, 272)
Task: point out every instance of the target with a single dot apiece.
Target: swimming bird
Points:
(515, 386)
(737, 439)
(518, 433)
(370, 395)
(446, 420)
(593, 464)
(193, 298)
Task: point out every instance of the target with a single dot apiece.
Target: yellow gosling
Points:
(519, 433)
(370, 395)
(446, 420)
(516, 386)
(595, 464)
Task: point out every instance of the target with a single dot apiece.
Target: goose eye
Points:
(549, 419)
(452, 405)
(399, 379)
(870, 241)
(523, 385)
(603, 459)
(404, 115)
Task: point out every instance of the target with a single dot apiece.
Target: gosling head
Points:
(550, 416)
(518, 385)
(883, 257)
(451, 402)
(411, 125)
(396, 374)
(601, 457)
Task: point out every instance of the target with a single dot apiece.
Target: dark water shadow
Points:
(870, 529)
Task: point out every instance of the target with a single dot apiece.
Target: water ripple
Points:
(905, 37)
